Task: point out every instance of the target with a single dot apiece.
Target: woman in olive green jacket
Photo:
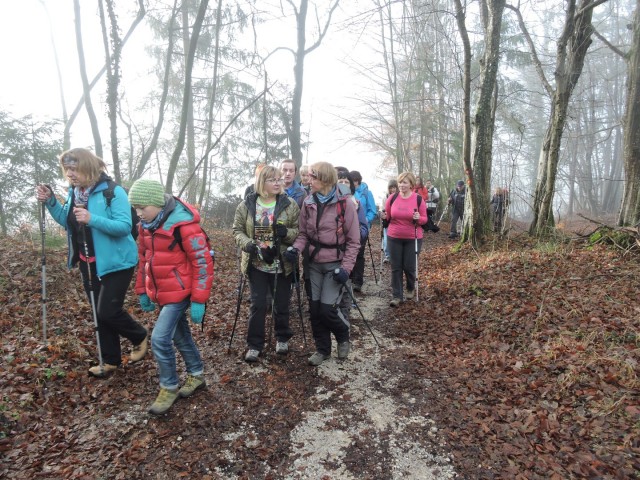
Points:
(265, 224)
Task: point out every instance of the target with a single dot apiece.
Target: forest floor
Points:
(518, 361)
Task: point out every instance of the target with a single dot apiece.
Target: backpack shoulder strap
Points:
(109, 192)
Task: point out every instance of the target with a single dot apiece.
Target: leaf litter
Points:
(520, 361)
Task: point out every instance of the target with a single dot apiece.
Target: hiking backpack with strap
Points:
(340, 247)
(385, 223)
(109, 195)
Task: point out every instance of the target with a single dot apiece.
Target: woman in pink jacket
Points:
(329, 228)
(403, 214)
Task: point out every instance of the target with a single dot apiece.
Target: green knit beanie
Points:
(146, 192)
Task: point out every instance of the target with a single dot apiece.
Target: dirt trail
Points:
(364, 417)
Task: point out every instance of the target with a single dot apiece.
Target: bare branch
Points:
(536, 61)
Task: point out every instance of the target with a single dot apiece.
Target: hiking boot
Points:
(343, 350)
(164, 400)
(395, 302)
(139, 351)
(191, 385)
(103, 372)
(282, 348)
(357, 288)
(410, 294)
(251, 356)
(317, 358)
(435, 229)
(453, 235)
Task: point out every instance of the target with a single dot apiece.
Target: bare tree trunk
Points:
(477, 218)
(630, 211)
(212, 101)
(466, 88)
(63, 105)
(173, 164)
(298, 72)
(74, 114)
(188, 98)
(111, 40)
(572, 49)
(153, 144)
(85, 81)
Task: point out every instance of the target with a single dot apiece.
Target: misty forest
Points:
(521, 356)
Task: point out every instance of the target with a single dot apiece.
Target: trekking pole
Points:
(373, 264)
(296, 281)
(91, 293)
(415, 231)
(275, 283)
(241, 285)
(337, 270)
(443, 214)
(381, 243)
(44, 273)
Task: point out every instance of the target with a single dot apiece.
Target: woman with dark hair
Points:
(403, 215)
(329, 227)
(100, 241)
(265, 224)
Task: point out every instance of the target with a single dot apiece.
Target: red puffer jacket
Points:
(169, 273)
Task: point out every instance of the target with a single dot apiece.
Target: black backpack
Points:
(109, 195)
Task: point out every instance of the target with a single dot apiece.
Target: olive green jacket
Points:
(286, 212)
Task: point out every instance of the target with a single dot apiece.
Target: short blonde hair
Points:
(85, 161)
(325, 172)
(304, 169)
(267, 172)
(409, 177)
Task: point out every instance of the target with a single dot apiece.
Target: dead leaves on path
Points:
(526, 358)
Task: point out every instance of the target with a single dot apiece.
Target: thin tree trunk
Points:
(173, 164)
(85, 81)
(572, 49)
(630, 211)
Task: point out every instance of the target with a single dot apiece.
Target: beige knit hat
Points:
(146, 192)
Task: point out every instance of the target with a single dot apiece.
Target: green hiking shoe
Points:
(317, 358)
(163, 402)
(191, 385)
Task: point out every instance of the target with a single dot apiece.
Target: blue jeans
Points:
(172, 328)
(384, 243)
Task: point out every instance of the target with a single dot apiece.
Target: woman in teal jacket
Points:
(100, 241)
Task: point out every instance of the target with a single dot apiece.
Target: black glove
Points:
(291, 255)
(281, 230)
(340, 275)
(250, 248)
(268, 254)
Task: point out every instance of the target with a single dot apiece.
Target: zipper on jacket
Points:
(177, 275)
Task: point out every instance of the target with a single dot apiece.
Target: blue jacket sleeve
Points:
(371, 207)
(364, 225)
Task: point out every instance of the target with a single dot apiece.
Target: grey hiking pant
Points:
(403, 263)
(326, 317)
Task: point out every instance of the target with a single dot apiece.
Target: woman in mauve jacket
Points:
(329, 227)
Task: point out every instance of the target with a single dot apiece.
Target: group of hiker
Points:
(288, 233)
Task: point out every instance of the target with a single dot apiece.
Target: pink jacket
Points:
(336, 236)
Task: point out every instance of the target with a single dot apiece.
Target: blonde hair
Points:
(87, 163)
(409, 177)
(304, 169)
(266, 172)
(325, 172)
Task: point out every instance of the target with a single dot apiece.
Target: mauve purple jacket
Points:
(348, 231)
